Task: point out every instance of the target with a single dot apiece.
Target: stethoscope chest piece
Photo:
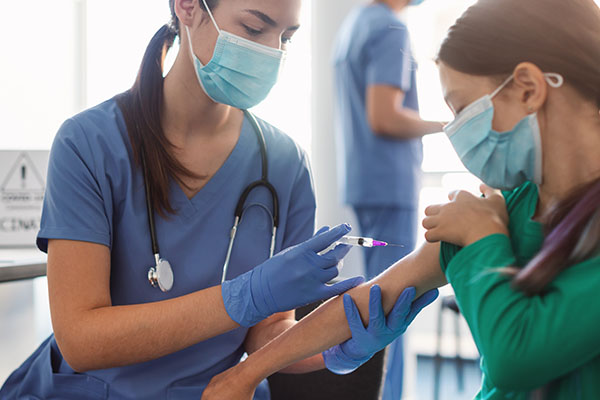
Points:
(161, 275)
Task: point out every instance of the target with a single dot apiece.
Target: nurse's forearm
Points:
(93, 333)
(109, 337)
(327, 326)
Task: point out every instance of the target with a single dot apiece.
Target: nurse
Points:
(522, 79)
(115, 335)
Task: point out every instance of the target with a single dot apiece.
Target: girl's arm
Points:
(327, 326)
(526, 342)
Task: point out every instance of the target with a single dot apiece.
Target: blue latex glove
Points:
(365, 342)
(293, 278)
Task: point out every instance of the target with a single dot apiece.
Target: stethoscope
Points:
(161, 275)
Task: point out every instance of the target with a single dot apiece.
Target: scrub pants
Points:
(395, 225)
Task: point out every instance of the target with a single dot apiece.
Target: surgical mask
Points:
(502, 160)
(415, 2)
(241, 73)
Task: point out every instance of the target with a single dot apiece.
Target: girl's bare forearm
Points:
(267, 330)
(327, 326)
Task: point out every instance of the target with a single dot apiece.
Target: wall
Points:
(327, 16)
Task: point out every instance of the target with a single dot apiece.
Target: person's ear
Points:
(186, 10)
(532, 87)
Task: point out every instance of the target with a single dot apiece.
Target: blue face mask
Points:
(501, 160)
(241, 73)
(415, 2)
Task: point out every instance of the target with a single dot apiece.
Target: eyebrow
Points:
(264, 17)
(268, 20)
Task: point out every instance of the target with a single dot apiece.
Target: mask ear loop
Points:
(189, 36)
(495, 92)
(554, 80)
(211, 16)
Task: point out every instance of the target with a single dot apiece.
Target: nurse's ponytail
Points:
(491, 39)
(142, 110)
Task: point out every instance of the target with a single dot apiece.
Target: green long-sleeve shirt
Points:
(550, 340)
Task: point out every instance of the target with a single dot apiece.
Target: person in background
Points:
(378, 131)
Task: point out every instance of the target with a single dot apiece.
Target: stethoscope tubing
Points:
(239, 210)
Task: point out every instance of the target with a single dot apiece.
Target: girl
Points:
(524, 263)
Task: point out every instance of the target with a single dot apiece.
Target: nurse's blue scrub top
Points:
(96, 194)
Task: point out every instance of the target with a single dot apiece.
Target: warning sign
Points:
(22, 186)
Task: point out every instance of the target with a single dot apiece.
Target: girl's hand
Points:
(466, 218)
(229, 385)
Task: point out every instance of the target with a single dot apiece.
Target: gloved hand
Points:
(293, 278)
(365, 342)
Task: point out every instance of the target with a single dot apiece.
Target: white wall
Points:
(327, 16)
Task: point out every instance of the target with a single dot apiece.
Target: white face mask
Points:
(241, 73)
(502, 160)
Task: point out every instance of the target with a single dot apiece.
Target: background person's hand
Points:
(467, 218)
(381, 331)
(293, 278)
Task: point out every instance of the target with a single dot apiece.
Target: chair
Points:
(448, 303)
(362, 384)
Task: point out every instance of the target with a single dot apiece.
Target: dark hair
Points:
(490, 39)
(142, 110)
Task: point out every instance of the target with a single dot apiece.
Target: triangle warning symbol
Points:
(23, 175)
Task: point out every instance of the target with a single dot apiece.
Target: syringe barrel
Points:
(356, 241)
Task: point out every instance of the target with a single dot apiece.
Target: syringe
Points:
(361, 242)
(358, 242)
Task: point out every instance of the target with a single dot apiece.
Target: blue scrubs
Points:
(378, 176)
(96, 194)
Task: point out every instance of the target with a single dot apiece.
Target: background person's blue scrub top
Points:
(95, 194)
(378, 176)
(373, 48)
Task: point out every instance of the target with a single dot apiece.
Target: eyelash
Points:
(254, 32)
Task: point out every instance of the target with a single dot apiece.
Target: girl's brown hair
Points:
(142, 108)
(491, 39)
